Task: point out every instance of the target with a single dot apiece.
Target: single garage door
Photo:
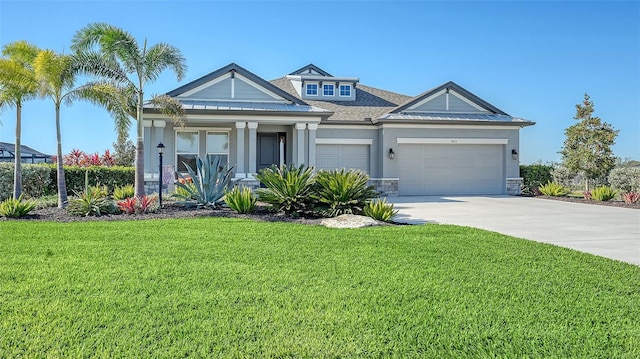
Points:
(337, 156)
(440, 169)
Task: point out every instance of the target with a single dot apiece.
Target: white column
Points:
(158, 128)
(240, 149)
(150, 153)
(253, 126)
(281, 150)
(300, 143)
(312, 144)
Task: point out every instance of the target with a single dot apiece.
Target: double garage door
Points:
(450, 169)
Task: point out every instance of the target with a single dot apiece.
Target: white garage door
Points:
(337, 156)
(437, 169)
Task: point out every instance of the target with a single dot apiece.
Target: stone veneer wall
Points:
(386, 186)
(514, 186)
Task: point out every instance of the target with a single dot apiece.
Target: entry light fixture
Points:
(514, 154)
(392, 154)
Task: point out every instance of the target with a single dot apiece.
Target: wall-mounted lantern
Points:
(392, 154)
(514, 154)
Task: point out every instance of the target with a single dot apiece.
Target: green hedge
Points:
(40, 179)
(535, 176)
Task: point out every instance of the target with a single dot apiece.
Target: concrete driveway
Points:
(610, 232)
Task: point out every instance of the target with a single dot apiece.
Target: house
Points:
(443, 141)
(27, 154)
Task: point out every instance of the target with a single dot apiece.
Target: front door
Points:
(269, 149)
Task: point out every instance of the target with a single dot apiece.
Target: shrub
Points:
(340, 191)
(122, 192)
(144, 204)
(241, 200)
(36, 180)
(210, 181)
(554, 189)
(631, 197)
(50, 200)
(563, 176)
(534, 176)
(603, 193)
(380, 210)
(288, 188)
(92, 202)
(625, 179)
(14, 208)
(111, 177)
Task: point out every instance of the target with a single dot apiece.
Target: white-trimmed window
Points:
(327, 89)
(312, 89)
(218, 146)
(345, 90)
(186, 149)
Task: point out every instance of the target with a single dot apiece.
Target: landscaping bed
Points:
(593, 202)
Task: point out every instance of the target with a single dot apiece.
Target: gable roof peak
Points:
(309, 69)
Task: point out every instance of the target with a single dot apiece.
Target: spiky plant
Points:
(380, 210)
(287, 188)
(553, 189)
(209, 180)
(241, 200)
(15, 208)
(342, 191)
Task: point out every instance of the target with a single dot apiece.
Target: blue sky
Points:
(533, 60)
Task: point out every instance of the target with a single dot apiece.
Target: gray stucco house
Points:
(443, 141)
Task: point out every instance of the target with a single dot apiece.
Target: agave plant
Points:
(209, 182)
(340, 192)
(288, 188)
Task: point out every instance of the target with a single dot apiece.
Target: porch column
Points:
(149, 160)
(300, 159)
(240, 149)
(253, 126)
(312, 143)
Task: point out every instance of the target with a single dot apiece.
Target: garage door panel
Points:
(338, 156)
(436, 169)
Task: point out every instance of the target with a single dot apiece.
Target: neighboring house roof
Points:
(240, 70)
(7, 150)
(370, 102)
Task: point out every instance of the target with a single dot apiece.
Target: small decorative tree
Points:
(587, 147)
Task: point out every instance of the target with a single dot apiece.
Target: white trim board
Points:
(344, 141)
(453, 141)
(443, 126)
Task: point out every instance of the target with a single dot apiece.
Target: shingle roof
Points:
(370, 102)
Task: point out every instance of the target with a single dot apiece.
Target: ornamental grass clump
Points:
(603, 193)
(209, 182)
(16, 208)
(380, 210)
(340, 192)
(554, 189)
(287, 188)
(122, 192)
(241, 200)
(92, 202)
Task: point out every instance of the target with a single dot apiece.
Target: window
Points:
(327, 90)
(186, 149)
(312, 89)
(345, 90)
(218, 146)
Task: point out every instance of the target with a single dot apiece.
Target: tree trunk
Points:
(17, 168)
(62, 184)
(139, 174)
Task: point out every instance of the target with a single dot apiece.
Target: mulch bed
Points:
(54, 214)
(593, 202)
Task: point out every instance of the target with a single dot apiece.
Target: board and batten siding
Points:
(246, 92)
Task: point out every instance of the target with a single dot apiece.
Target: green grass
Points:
(232, 288)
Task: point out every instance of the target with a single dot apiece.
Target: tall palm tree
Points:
(114, 54)
(17, 84)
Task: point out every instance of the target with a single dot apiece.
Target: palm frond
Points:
(96, 64)
(113, 42)
(21, 51)
(160, 57)
(109, 96)
(170, 107)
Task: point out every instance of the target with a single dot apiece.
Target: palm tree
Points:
(114, 55)
(17, 84)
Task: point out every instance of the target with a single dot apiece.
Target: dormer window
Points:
(312, 89)
(345, 90)
(327, 90)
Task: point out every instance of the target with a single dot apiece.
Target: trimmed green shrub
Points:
(15, 208)
(111, 177)
(288, 188)
(241, 200)
(36, 180)
(380, 210)
(534, 176)
(625, 179)
(122, 192)
(554, 189)
(210, 182)
(603, 193)
(47, 201)
(342, 192)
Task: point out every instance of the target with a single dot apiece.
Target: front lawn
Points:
(217, 287)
